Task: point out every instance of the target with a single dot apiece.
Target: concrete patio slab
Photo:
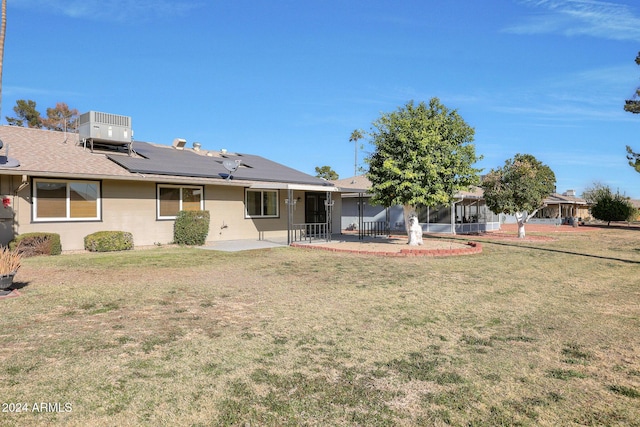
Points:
(242, 245)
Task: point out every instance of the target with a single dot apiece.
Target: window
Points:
(261, 203)
(173, 199)
(57, 200)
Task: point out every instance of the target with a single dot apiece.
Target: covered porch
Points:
(310, 216)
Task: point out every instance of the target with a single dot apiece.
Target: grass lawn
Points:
(544, 333)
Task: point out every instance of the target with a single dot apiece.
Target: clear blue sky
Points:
(289, 80)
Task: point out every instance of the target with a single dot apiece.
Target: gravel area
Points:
(392, 244)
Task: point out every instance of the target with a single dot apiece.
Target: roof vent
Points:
(179, 143)
(197, 146)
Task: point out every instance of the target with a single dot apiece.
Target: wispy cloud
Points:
(564, 100)
(26, 92)
(113, 10)
(593, 18)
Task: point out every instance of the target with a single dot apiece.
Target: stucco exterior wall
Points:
(131, 206)
(228, 220)
(126, 206)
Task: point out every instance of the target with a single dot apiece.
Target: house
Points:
(561, 209)
(468, 212)
(75, 184)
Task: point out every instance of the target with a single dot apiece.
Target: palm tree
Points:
(3, 30)
(355, 136)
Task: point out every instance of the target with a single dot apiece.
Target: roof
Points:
(356, 184)
(555, 199)
(47, 153)
(360, 184)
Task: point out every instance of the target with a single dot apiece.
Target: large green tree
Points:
(26, 115)
(423, 155)
(607, 206)
(633, 106)
(519, 188)
(634, 159)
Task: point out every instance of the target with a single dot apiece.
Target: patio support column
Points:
(328, 206)
(290, 203)
(452, 215)
(360, 216)
(477, 216)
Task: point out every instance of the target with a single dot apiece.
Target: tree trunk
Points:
(407, 210)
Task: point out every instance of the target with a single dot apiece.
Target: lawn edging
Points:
(471, 249)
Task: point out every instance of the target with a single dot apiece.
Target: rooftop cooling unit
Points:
(106, 129)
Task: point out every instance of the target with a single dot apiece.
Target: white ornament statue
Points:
(415, 231)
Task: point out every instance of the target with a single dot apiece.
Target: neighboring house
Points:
(636, 204)
(74, 185)
(467, 214)
(559, 209)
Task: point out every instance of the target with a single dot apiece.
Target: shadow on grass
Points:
(9, 292)
(560, 251)
(18, 285)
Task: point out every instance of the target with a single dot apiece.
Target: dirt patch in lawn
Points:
(397, 246)
(534, 232)
(502, 236)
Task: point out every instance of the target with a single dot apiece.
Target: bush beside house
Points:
(32, 244)
(191, 228)
(107, 241)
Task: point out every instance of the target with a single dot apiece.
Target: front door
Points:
(315, 210)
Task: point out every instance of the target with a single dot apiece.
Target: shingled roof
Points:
(59, 154)
(360, 184)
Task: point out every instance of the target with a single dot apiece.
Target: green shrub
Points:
(191, 227)
(32, 244)
(107, 241)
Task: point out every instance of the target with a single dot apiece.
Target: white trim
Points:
(261, 191)
(67, 217)
(284, 186)
(180, 187)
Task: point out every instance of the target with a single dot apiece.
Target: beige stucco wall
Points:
(126, 206)
(228, 222)
(131, 206)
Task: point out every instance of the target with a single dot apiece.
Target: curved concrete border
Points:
(473, 248)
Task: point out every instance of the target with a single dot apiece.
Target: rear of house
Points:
(74, 186)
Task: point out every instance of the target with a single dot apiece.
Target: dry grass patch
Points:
(522, 334)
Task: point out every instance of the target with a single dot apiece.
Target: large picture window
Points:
(173, 199)
(261, 203)
(60, 200)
